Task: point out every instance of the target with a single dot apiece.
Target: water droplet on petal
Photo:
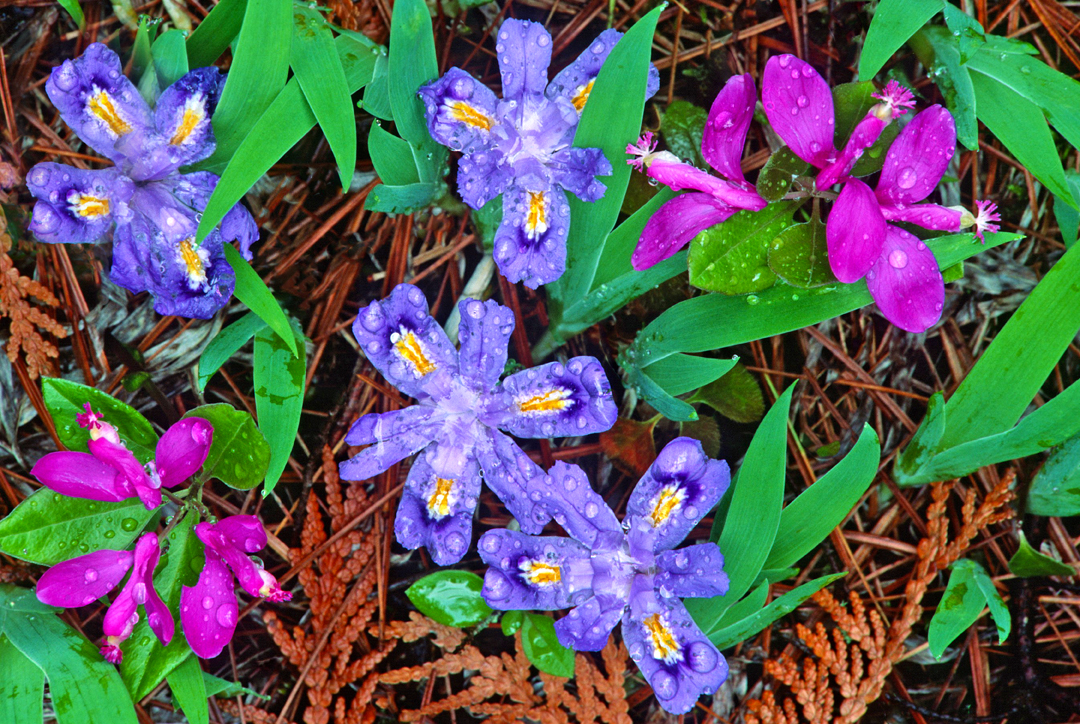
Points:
(898, 259)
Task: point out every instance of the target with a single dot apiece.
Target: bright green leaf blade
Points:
(47, 527)
(239, 454)
(939, 51)
(542, 647)
(732, 257)
(377, 94)
(808, 519)
(1068, 218)
(894, 22)
(799, 256)
(852, 101)
(213, 35)
(412, 63)
(222, 688)
(998, 610)
(22, 686)
(682, 127)
(75, 11)
(253, 292)
(391, 157)
(228, 342)
(778, 173)
(403, 199)
(967, 29)
(315, 64)
(279, 397)
(450, 597)
(615, 258)
(713, 614)
(511, 622)
(961, 605)
(667, 405)
(1056, 488)
(1029, 563)
(737, 395)
(681, 373)
(65, 399)
(189, 691)
(925, 440)
(170, 57)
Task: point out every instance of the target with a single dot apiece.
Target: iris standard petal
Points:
(402, 340)
(182, 450)
(510, 473)
(131, 254)
(855, 232)
(555, 400)
(906, 283)
(693, 572)
(460, 111)
(587, 627)
(529, 572)
(76, 206)
(799, 106)
(674, 224)
(530, 243)
(724, 136)
(182, 115)
(392, 437)
(484, 334)
(928, 216)
(436, 508)
(208, 610)
(575, 82)
(81, 581)
(81, 475)
(918, 158)
(523, 49)
(679, 488)
(576, 169)
(570, 499)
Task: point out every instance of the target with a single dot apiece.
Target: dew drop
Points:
(898, 259)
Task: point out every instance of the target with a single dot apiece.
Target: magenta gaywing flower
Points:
(461, 408)
(713, 199)
(208, 610)
(81, 581)
(520, 146)
(630, 573)
(111, 472)
(154, 207)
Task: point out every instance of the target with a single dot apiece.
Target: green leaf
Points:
(968, 31)
(542, 646)
(316, 65)
(65, 399)
(1028, 562)
(681, 373)
(212, 36)
(1068, 218)
(412, 63)
(1056, 488)
(239, 454)
(189, 691)
(511, 622)
(682, 127)
(253, 292)
(939, 51)
(170, 57)
(925, 440)
(83, 687)
(666, 404)
(782, 168)
(391, 157)
(279, 397)
(22, 686)
(737, 395)
(732, 257)
(799, 256)
(225, 344)
(961, 605)
(998, 610)
(450, 597)
(402, 199)
(713, 614)
(376, 96)
(75, 11)
(222, 688)
(141, 57)
(894, 22)
(47, 527)
(852, 101)
(808, 519)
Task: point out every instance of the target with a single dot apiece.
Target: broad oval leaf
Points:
(542, 646)
(65, 399)
(682, 127)
(239, 455)
(1029, 563)
(799, 256)
(732, 257)
(450, 597)
(776, 176)
(961, 605)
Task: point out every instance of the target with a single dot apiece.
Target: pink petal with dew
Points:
(918, 158)
(675, 224)
(862, 138)
(81, 475)
(81, 581)
(799, 106)
(855, 232)
(245, 532)
(928, 216)
(906, 283)
(119, 457)
(182, 450)
(724, 136)
(208, 610)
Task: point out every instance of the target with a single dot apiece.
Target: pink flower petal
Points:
(673, 226)
(208, 611)
(81, 475)
(182, 450)
(243, 531)
(799, 106)
(918, 158)
(928, 216)
(81, 581)
(725, 132)
(855, 232)
(906, 282)
(862, 138)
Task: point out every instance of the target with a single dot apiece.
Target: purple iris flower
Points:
(111, 472)
(520, 146)
(208, 610)
(155, 208)
(461, 408)
(81, 581)
(610, 572)
(713, 199)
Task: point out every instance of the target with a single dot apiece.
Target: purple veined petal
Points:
(555, 400)
(693, 572)
(674, 224)
(436, 508)
(524, 53)
(854, 232)
(159, 617)
(799, 106)
(529, 572)
(194, 190)
(97, 100)
(208, 610)
(482, 177)
(239, 226)
(182, 115)
(182, 450)
(588, 626)
(510, 474)
(81, 475)
(576, 169)
(569, 497)
(918, 158)
(724, 137)
(862, 138)
(676, 658)
(678, 490)
(460, 111)
(906, 283)
(928, 216)
(83, 580)
(575, 82)
(75, 206)
(530, 243)
(197, 282)
(392, 437)
(402, 340)
(484, 333)
(131, 254)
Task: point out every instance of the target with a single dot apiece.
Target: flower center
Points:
(194, 260)
(194, 113)
(554, 400)
(412, 351)
(582, 95)
(665, 647)
(469, 115)
(101, 105)
(89, 207)
(439, 501)
(540, 573)
(536, 219)
(667, 501)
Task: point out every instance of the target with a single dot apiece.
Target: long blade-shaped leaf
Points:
(894, 22)
(252, 291)
(279, 397)
(22, 686)
(212, 36)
